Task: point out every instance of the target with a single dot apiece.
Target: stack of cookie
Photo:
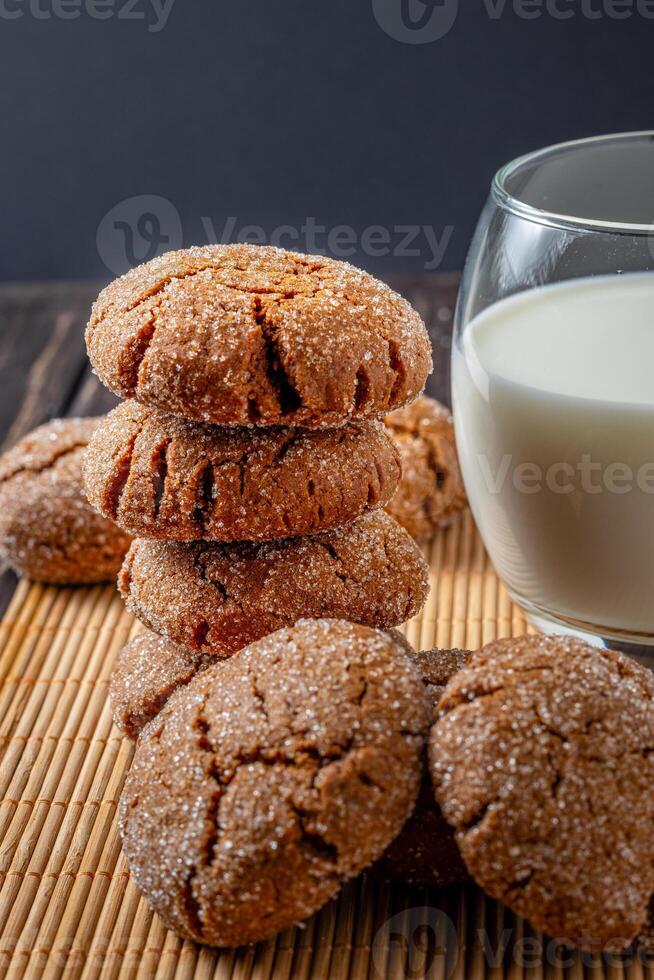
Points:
(249, 461)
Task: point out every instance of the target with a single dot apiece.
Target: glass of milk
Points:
(553, 385)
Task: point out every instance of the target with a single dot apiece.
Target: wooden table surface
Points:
(44, 372)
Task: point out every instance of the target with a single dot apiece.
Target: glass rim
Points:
(511, 202)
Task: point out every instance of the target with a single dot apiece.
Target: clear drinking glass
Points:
(553, 385)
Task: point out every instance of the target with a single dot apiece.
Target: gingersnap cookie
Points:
(254, 335)
(425, 852)
(48, 530)
(219, 597)
(147, 671)
(272, 778)
(431, 490)
(150, 668)
(159, 476)
(542, 758)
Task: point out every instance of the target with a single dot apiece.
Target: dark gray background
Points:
(272, 111)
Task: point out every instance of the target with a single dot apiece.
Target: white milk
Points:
(554, 410)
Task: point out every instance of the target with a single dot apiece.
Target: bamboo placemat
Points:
(67, 905)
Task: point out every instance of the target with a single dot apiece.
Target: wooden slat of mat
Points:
(65, 720)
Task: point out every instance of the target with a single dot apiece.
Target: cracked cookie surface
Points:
(272, 778)
(255, 335)
(425, 852)
(48, 530)
(159, 476)
(431, 490)
(149, 668)
(147, 671)
(542, 758)
(220, 597)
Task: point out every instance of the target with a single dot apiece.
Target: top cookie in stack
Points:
(255, 381)
(253, 335)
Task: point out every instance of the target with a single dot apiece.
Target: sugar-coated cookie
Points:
(219, 597)
(147, 671)
(149, 668)
(431, 490)
(255, 335)
(163, 477)
(48, 530)
(272, 778)
(543, 761)
(425, 852)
